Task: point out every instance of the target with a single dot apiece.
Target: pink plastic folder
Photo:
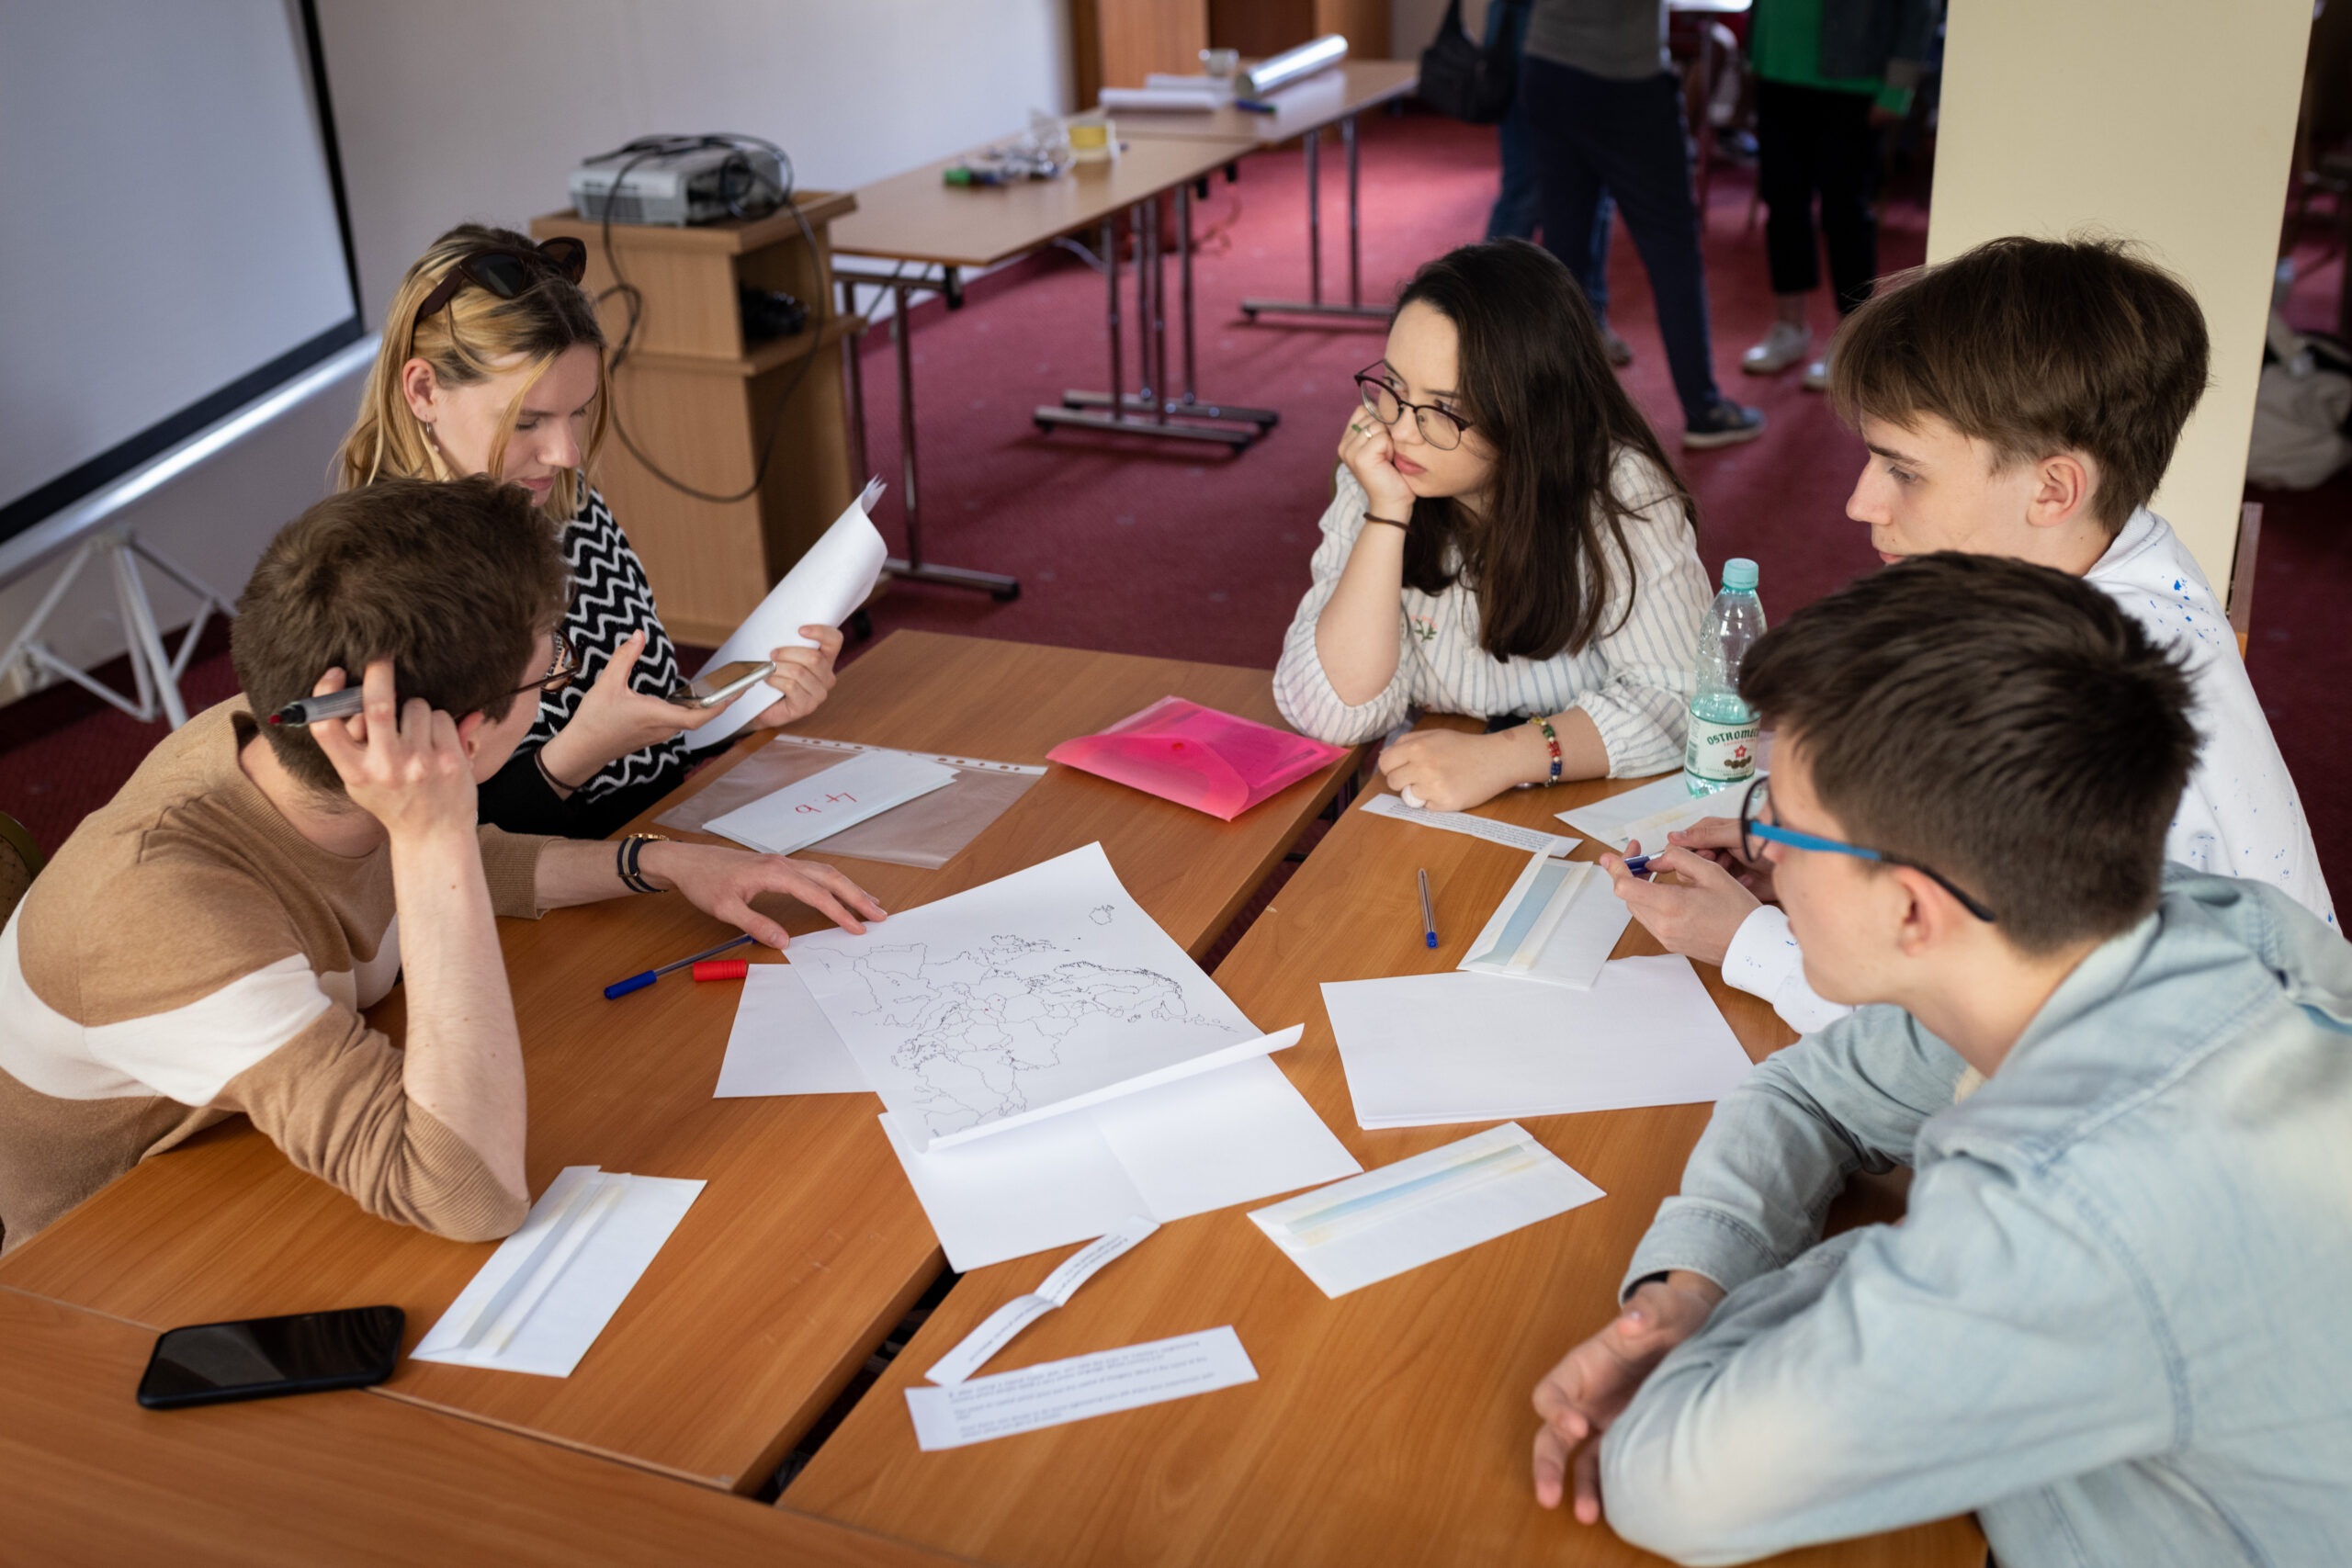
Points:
(1198, 757)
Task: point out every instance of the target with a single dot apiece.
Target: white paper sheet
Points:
(783, 1042)
(1517, 838)
(1419, 1210)
(830, 801)
(823, 588)
(1650, 813)
(1557, 925)
(1425, 1049)
(1054, 1394)
(549, 1288)
(1033, 996)
(1001, 1326)
(1231, 1136)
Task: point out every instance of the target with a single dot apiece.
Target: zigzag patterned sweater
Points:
(610, 599)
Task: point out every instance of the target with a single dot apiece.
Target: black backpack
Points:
(1463, 79)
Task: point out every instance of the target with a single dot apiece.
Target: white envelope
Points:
(1558, 925)
(1381, 1223)
(549, 1288)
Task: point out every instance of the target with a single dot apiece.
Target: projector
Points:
(677, 180)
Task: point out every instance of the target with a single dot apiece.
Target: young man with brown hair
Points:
(2110, 1321)
(2024, 400)
(203, 945)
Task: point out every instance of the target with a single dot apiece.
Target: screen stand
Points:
(156, 675)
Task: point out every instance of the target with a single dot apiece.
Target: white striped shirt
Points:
(1634, 680)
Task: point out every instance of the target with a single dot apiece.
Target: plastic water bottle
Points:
(1721, 750)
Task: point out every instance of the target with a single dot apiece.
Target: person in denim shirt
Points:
(2112, 1322)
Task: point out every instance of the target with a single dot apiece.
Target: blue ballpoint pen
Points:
(1429, 919)
(620, 989)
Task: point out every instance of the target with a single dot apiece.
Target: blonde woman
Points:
(492, 363)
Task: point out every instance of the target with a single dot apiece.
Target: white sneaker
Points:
(1816, 376)
(1783, 347)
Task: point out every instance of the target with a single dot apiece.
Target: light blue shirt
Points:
(2116, 1321)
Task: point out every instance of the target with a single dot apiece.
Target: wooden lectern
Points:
(697, 399)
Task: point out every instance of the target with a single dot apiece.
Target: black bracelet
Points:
(625, 861)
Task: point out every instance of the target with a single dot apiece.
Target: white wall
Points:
(2167, 121)
(451, 109)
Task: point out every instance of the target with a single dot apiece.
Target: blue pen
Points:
(1429, 920)
(1638, 864)
(1256, 105)
(619, 989)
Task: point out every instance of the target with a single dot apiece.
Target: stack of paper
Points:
(1422, 1209)
(1052, 1063)
(823, 587)
(550, 1288)
(825, 803)
(1559, 924)
(1425, 1049)
(1198, 757)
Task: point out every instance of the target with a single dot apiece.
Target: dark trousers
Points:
(1594, 133)
(1807, 140)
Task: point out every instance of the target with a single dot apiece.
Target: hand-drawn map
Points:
(1016, 997)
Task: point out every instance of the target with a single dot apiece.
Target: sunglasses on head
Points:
(508, 273)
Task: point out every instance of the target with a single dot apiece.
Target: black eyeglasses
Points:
(1442, 428)
(563, 666)
(508, 273)
(1758, 799)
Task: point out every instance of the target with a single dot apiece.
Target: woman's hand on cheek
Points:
(1448, 770)
(1365, 448)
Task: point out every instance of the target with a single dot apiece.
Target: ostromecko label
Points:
(1722, 753)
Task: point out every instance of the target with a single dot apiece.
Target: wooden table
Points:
(87, 1476)
(808, 1246)
(1304, 108)
(918, 218)
(1391, 1426)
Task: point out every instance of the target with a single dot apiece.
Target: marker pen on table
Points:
(1429, 919)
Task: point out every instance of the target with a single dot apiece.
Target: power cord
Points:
(749, 193)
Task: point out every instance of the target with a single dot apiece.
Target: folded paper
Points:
(1001, 1326)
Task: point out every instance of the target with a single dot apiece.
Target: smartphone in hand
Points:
(260, 1357)
(713, 687)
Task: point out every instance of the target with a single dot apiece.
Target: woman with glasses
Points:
(493, 362)
(1507, 541)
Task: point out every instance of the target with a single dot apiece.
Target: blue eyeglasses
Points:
(1750, 829)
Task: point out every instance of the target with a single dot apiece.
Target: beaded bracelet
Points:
(625, 855)
(1552, 742)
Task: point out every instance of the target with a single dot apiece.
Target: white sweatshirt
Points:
(2239, 816)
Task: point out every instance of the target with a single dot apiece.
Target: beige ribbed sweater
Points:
(188, 956)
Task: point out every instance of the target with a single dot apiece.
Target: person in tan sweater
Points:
(203, 946)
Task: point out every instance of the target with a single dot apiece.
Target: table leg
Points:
(1355, 310)
(854, 363)
(1158, 390)
(914, 569)
(1108, 410)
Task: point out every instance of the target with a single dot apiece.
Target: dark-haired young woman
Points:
(1507, 541)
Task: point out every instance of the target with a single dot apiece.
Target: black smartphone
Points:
(210, 1363)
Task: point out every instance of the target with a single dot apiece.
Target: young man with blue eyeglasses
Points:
(2111, 1321)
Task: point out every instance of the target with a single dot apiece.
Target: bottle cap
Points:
(1739, 575)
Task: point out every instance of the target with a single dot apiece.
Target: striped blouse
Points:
(1634, 680)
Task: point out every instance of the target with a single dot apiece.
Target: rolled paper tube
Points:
(721, 969)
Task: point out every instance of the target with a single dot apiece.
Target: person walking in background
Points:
(1519, 205)
(1603, 112)
(1830, 76)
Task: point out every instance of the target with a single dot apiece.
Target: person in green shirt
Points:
(1830, 75)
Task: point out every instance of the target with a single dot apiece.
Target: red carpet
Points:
(1129, 545)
